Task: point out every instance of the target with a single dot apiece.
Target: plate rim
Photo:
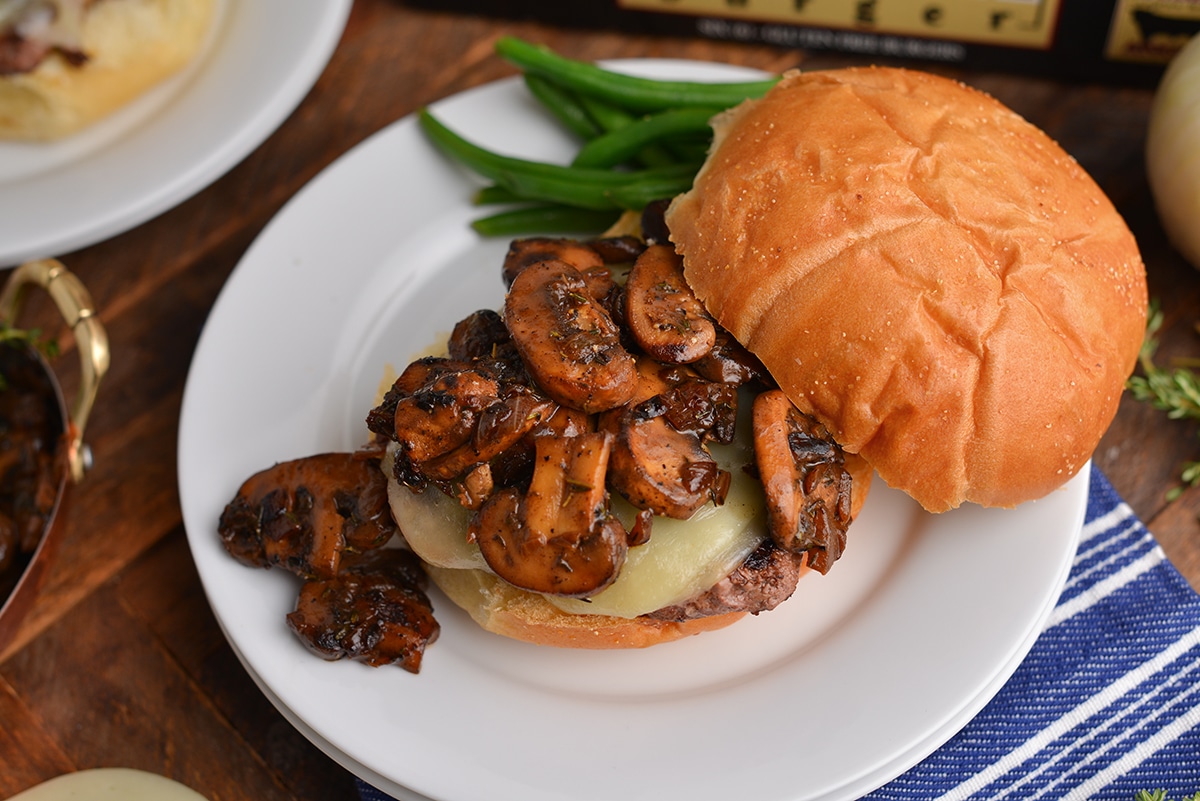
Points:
(200, 163)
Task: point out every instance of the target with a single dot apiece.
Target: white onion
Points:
(1173, 151)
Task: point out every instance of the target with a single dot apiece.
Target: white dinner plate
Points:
(854, 679)
(260, 60)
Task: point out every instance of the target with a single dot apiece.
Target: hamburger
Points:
(65, 64)
(878, 273)
(930, 280)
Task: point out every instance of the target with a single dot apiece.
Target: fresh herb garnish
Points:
(1161, 795)
(1176, 391)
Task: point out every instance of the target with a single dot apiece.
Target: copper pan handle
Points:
(77, 309)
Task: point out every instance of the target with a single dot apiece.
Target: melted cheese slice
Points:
(682, 558)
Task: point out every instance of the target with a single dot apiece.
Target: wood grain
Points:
(122, 662)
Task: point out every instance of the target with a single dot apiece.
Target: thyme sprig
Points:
(1161, 795)
(1174, 390)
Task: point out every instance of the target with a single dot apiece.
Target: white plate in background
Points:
(261, 59)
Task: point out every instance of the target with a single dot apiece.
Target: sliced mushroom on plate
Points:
(663, 314)
(558, 537)
(523, 253)
(618, 249)
(804, 476)
(302, 514)
(374, 611)
(728, 362)
(498, 427)
(568, 341)
(660, 466)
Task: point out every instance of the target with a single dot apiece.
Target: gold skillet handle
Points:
(76, 307)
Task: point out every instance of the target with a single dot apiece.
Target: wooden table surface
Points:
(122, 663)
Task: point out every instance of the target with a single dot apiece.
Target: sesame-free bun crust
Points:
(925, 272)
(131, 46)
(503, 609)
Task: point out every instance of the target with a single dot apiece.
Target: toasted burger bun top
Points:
(925, 272)
(130, 45)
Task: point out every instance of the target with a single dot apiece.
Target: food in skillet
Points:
(31, 464)
(893, 270)
(67, 63)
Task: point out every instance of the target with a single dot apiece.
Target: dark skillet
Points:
(41, 439)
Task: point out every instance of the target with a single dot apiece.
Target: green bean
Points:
(563, 104)
(584, 187)
(635, 195)
(544, 218)
(608, 118)
(494, 195)
(617, 147)
(633, 93)
(657, 132)
(490, 164)
(611, 119)
(570, 190)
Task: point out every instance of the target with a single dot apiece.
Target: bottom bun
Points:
(503, 609)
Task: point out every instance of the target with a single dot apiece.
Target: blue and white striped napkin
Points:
(1106, 704)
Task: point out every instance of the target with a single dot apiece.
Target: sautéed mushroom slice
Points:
(659, 462)
(374, 611)
(526, 252)
(569, 343)
(804, 476)
(558, 537)
(728, 362)
(663, 314)
(302, 515)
